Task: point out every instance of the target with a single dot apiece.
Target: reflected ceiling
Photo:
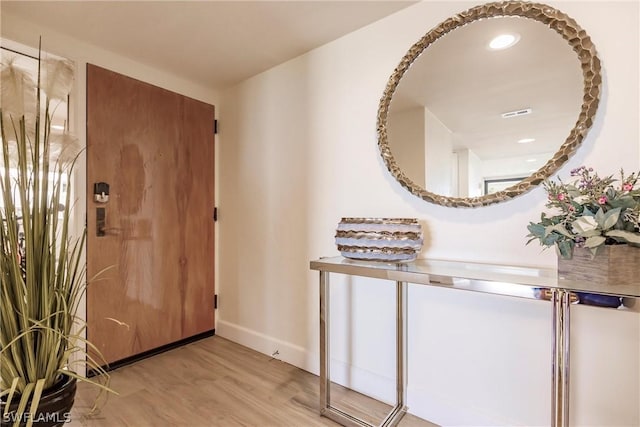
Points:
(468, 87)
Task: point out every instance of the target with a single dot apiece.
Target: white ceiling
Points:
(213, 43)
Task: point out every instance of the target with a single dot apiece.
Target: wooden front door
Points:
(154, 235)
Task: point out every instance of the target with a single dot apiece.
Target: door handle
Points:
(113, 231)
(101, 224)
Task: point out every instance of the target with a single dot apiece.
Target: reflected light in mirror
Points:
(503, 41)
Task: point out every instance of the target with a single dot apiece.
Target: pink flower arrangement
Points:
(591, 212)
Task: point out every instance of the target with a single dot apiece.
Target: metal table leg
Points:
(398, 411)
(561, 300)
(325, 388)
(401, 357)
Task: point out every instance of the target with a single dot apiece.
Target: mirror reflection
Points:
(468, 118)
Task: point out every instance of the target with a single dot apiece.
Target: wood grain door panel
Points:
(155, 150)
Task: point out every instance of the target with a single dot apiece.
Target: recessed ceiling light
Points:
(57, 127)
(531, 160)
(503, 41)
(526, 140)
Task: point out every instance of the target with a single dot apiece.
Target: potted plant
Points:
(42, 267)
(596, 228)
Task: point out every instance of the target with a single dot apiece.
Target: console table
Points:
(523, 282)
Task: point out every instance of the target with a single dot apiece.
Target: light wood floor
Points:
(215, 382)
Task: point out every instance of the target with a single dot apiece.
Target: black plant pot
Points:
(54, 409)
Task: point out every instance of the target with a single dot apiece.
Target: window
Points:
(59, 119)
(495, 185)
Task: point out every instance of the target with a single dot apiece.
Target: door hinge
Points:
(215, 126)
(215, 301)
(215, 214)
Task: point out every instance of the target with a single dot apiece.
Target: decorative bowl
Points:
(379, 239)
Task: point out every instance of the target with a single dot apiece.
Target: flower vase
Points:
(612, 265)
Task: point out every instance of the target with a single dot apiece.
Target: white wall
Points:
(475, 174)
(469, 173)
(300, 153)
(438, 150)
(407, 137)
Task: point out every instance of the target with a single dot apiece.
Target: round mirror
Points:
(501, 98)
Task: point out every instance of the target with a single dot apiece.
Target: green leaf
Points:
(536, 230)
(610, 218)
(559, 228)
(584, 224)
(546, 235)
(590, 233)
(624, 202)
(35, 400)
(595, 241)
(565, 248)
(600, 217)
(627, 236)
(573, 191)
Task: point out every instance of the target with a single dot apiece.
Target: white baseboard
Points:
(287, 352)
(343, 373)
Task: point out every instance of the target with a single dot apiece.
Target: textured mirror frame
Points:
(554, 19)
